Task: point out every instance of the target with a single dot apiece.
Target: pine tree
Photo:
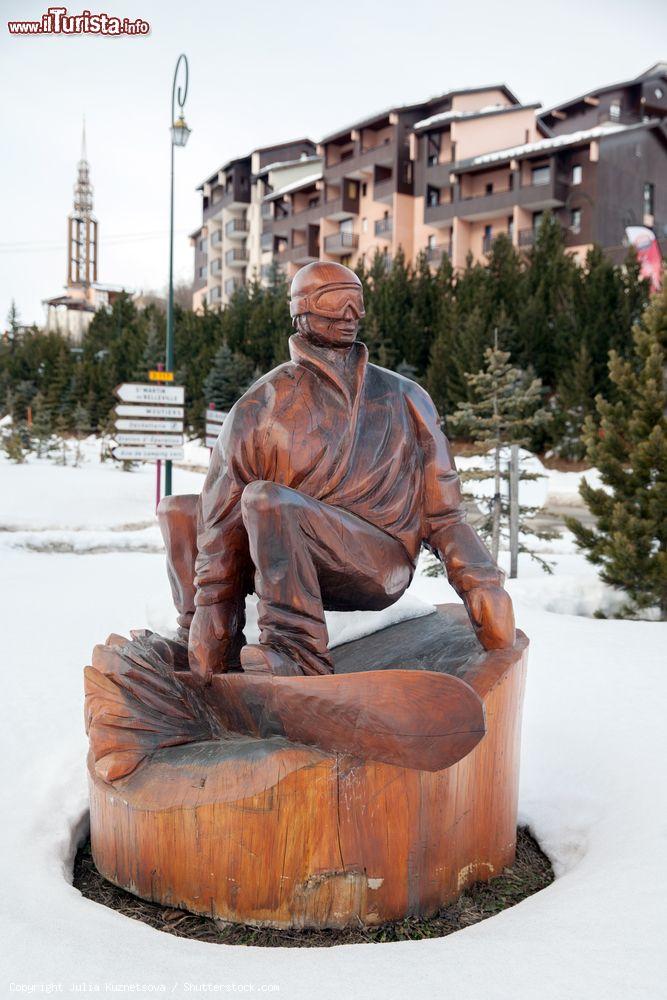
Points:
(547, 328)
(42, 424)
(81, 420)
(505, 408)
(627, 443)
(228, 378)
(574, 402)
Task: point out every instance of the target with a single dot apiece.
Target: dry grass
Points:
(530, 872)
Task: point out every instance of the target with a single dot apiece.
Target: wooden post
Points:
(514, 510)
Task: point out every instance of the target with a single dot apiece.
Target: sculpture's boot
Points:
(177, 517)
(265, 660)
(309, 556)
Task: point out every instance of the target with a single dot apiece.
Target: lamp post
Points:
(179, 137)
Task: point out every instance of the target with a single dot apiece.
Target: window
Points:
(489, 188)
(510, 226)
(648, 199)
(432, 196)
(314, 201)
(577, 172)
(615, 110)
(658, 92)
(431, 244)
(364, 189)
(487, 232)
(364, 225)
(575, 220)
(346, 226)
(537, 220)
(433, 149)
(202, 273)
(541, 175)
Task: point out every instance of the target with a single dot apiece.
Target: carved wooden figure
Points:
(283, 782)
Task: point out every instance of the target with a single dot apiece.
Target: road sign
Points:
(158, 376)
(175, 426)
(137, 392)
(215, 416)
(156, 412)
(148, 453)
(174, 440)
(210, 441)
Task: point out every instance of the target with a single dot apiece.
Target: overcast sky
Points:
(260, 72)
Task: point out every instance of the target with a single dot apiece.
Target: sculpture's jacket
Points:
(347, 433)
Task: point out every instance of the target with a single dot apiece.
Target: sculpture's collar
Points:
(345, 368)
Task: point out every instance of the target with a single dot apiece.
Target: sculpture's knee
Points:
(264, 501)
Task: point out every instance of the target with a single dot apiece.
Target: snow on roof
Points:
(489, 109)
(571, 139)
(280, 164)
(294, 186)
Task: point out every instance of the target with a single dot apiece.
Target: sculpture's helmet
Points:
(326, 288)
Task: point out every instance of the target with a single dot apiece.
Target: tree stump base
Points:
(268, 832)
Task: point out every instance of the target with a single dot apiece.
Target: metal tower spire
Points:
(82, 226)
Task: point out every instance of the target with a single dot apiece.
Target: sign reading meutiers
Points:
(149, 422)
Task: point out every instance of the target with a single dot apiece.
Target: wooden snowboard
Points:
(412, 718)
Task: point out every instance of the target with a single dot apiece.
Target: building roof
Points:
(367, 122)
(280, 164)
(491, 109)
(658, 69)
(303, 182)
(546, 145)
(258, 149)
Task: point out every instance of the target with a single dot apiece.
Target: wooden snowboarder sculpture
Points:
(328, 476)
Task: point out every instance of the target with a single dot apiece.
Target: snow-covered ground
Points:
(81, 557)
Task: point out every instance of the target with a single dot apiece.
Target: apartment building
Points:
(446, 176)
(367, 196)
(228, 244)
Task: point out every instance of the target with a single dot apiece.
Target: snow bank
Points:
(593, 753)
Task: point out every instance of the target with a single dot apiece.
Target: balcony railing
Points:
(237, 227)
(236, 256)
(434, 254)
(233, 285)
(384, 227)
(341, 242)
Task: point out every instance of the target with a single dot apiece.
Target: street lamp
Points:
(180, 134)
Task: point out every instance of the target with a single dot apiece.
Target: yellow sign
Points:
(161, 376)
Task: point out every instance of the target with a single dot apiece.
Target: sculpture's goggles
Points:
(331, 301)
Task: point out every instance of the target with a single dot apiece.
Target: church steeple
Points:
(82, 227)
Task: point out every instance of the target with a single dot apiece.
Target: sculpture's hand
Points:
(492, 616)
(213, 643)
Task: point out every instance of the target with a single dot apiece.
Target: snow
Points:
(593, 753)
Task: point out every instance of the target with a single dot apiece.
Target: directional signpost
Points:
(214, 421)
(149, 423)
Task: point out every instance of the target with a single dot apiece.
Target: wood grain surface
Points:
(266, 831)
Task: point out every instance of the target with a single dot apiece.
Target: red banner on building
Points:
(647, 247)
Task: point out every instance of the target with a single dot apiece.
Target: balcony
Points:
(362, 160)
(233, 285)
(303, 253)
(236, 257)
(491, 205)
(237, 229)
(384, 228)
(434, 254)
(340, 244)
